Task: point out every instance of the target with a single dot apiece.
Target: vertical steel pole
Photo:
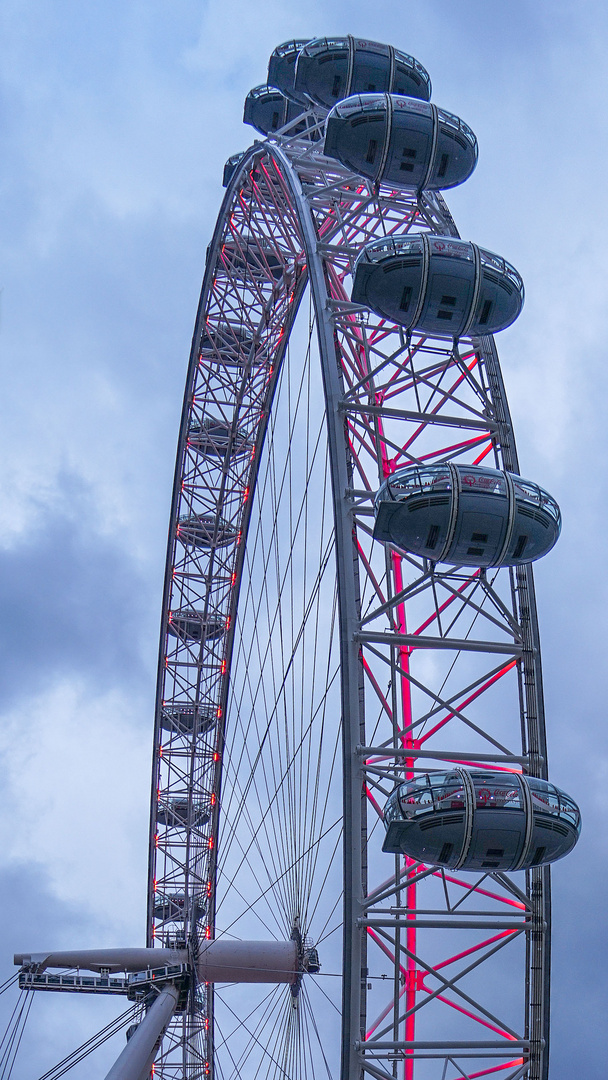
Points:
(138, 1055)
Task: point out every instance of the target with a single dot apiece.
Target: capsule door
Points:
(371, 67)
(449, 297)
(410, 144)
(483, 517)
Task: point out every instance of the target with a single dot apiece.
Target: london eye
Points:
(352, 819)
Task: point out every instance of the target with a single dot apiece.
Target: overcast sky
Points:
(115, 121)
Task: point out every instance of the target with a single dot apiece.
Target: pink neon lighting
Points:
(476, 693)
(375, 805)
(494, 1069)
(485, 454)
(414, 981)
(482, 892)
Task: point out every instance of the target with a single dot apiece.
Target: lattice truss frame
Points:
(448, 659)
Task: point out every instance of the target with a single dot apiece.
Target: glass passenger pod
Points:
(330, 69)
(188, 719)
(282, 69)
(227, 343)
(480, 820)
(401, 141)
(172, 907)
(438, 285)
(175, 813)
(466, 515)
(230, 168)
(214, 438)
(268, 110)
(205, 531)
(191, 625)
(251, 258)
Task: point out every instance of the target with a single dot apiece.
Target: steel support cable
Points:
(312, 847)
(19, 1029)
(264, 737)
(9, 982)
(280, 591)
(12, 1024)
(322, 837)
(12, 1030)
(269, 808)
(268, 648)
(279, 1024)
(90, 1045)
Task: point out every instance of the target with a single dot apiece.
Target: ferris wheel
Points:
(351, 818)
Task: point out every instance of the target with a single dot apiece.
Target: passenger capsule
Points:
(205, 531)
(401, 141)
(214, 438)
(191, 625)
(251, 258)
(282, 69)
(466, 515)
(230, 168)
(187, 719)
(474, 820)
(172, 908)
(228, 343)
(438, 285)
(169, 908)
(176, 814)
(268, 110)
(329, 69)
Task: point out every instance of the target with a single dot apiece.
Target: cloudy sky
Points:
(115, 121)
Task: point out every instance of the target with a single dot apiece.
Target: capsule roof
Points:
(481, 820)
(438, 285)
(466, 515)
(401, 141)
(329, 69)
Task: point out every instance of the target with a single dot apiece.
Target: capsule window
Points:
(520, 546)
(372, 146)
(431, 540)
(485, 312)
(406, 296)
(408, 152)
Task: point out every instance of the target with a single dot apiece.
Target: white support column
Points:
(138, 1055)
